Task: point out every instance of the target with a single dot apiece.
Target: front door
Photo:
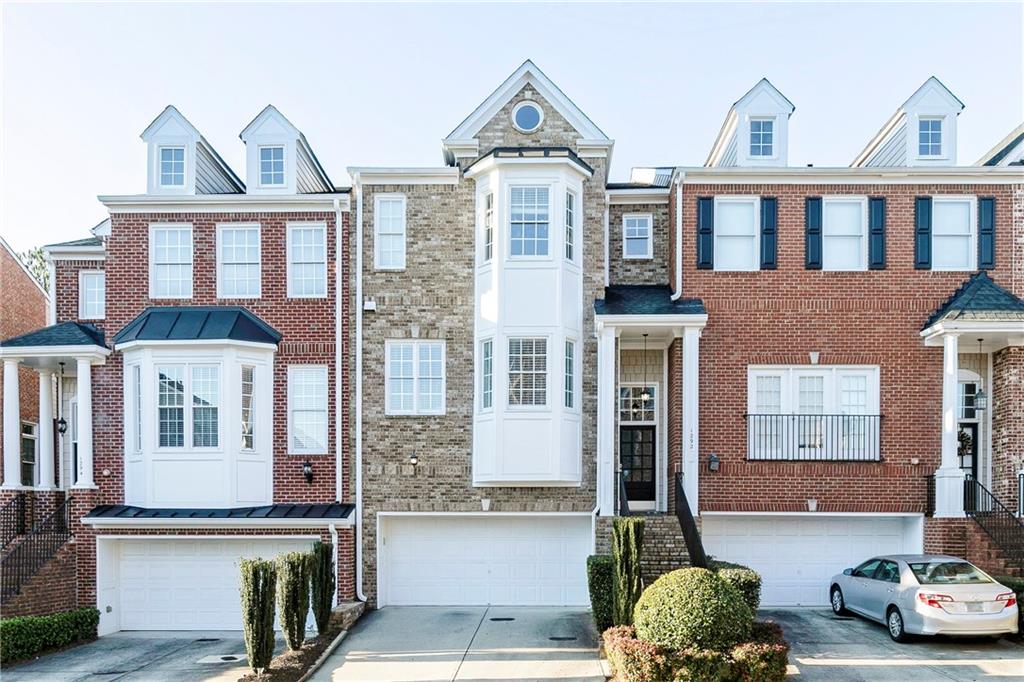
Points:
(967, 448)
(637, 454)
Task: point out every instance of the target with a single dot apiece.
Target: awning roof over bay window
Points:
(197, 323)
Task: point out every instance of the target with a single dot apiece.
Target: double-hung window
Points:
(92, 285)
(570, 224)
(487, 374)
(272, 166)
(414, 377)
(954, 233)
(844, 233)
(637, 237)
(136, 392)
(530, 221)
(188, 406)
(170, 261)
(762, 132)
(527, 372)
(29, 449)
(172, 166)
(238, 261)
(248, 392)
(813, 413)
(488, 227)
(389, 231)
(736, 245)
(307, 410)
(307, 260)
(929, 136)
(570, 374)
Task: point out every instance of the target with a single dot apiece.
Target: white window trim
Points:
(290, 229)
(187, 442)
(487, 409)
(649, 254)
(487, 215)
(548, 405)
(136, 416)
(535, 105)
(416, 411)
(972, 221)
(574, 388)
(943, 153)
(576, 215)
(82, 275)
(284, 165)
(34, 437)
(377, 199)
(221, 227)
(656, 385)
(552, 213)
(159, 166)
(153, 227)
(838, 199)
(775, 136)
(292, 450)
(736, 199)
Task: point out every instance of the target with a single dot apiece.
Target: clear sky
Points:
(376, 84)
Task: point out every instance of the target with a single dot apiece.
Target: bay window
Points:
(201, 425)
(530, 221)
(487, 374)
(527, 372)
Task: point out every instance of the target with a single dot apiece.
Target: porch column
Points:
(691, 414)
(46, 481)
(12, 426)
(949, 478)
(606, 483)
(84, 397)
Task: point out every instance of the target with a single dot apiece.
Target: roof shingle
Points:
(645, 300)
(63, 334)
(979, 298)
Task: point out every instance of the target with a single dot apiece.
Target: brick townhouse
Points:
(464, 372)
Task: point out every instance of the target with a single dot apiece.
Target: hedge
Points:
(601, 583)
(26, 636)
(755, 662)
(610, 637)
(639, 661)
(747, 581)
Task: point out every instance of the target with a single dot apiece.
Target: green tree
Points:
(35, 261)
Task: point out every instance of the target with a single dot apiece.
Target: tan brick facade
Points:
(654, 270)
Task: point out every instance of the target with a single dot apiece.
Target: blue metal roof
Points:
(63, 334)
(198, 323)
(980, 298)
(645, 299)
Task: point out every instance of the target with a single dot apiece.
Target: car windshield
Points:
(947, 573)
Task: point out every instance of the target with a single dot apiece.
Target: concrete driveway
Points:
(421, 644)
(149, 656)
(824, 647)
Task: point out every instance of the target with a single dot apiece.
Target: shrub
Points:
(700, 665)
(627, 545)
(612, 635)
(747, 581)
(693, 607)
(322, 584)
(293, 596)
(25, 636)
(601, 583)
(258, 579)
(767, 632)
(755, 662)
(634, 660)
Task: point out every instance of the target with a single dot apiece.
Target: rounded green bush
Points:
(693, 607)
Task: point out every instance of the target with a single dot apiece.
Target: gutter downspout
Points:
(607, 279)
(359, 389)
(339, 479)
(679, 236)
(334, 541)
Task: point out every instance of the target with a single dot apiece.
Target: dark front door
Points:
(636, 452)
(967, 448)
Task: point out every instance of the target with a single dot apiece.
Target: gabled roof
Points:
(526, 74)
(979, 298)
(1004, 148)
(197, 323)
(271, 110)
(642, 299)
(729, 125)
(87, 241)
(63, 334)
(170, 111)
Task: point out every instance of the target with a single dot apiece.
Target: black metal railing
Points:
(929, 495)
(623, 497)
(13, 519)
(35, 549)
(1002, 525)
(814, 437)
(694, 545)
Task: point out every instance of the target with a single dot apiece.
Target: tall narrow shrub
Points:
(293, 596)
(258, 584)
(322, 584)
(627, 545)
(601, 584)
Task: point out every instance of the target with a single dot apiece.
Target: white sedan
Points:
(925, 594)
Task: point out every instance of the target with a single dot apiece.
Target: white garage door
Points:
(797, 555)
(187, 584)
(473, 560)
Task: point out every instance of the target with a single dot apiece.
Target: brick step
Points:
(53, 588)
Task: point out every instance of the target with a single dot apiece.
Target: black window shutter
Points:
(705, 233)
(812, 241)
(923, 233)
(769, 239)
(986, 233)
(876, 233)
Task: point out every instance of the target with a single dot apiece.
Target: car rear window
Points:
(947, 573)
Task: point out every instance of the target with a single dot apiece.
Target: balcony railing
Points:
(814, 437)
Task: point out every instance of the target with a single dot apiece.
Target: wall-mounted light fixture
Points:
(414, 458)
(307, 471)
(62, 423)
(980, 398)
(714, 464)
(812, 505)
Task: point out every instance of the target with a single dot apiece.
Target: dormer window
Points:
(172, 166)
(762, 131)
(272, 166)
(929, 136)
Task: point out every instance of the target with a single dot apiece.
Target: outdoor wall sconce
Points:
(62, 423)
(414, 459)
(307, 471)
(714, 464)
(980, 398)
(62, 426)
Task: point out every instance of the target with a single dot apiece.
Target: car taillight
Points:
(1009, 597)
(934, 599)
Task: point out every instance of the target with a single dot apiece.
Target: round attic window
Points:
(527, 116)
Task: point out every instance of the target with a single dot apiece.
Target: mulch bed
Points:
(292, 665)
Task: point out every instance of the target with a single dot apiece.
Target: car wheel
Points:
(894, 623)
(838, 604)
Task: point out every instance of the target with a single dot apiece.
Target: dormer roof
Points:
(464, 135)
(172, 122)
(272, 120)
(762, 99)
(1008, 152)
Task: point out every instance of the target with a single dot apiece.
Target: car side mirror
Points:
(847, 571)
